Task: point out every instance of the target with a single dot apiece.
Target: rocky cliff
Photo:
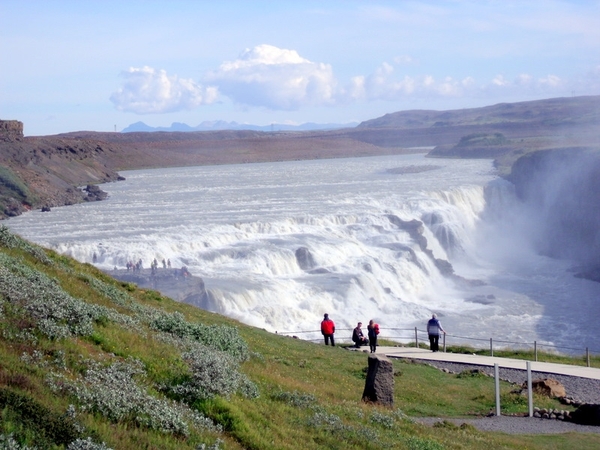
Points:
(11, 130)
(49, 171)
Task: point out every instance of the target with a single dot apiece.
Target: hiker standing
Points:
(328, 329)
(372, 332)
(434, 328)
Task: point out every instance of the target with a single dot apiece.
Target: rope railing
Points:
(416, 336)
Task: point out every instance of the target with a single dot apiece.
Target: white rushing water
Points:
(239, 226)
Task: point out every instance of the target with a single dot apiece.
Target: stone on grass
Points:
(379, 386)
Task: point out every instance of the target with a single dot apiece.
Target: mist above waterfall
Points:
(561, 192)
(280, 244)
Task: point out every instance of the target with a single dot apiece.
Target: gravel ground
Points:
(583, 390)
(515, 425)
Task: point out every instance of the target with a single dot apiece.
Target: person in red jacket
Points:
(327, 330)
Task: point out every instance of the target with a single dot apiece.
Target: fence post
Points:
(535, 349)
(587, 356)
(444, 342)
(491, 348)
(497, 378)
(529, 389)
(416, 338)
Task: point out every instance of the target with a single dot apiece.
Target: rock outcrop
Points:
(11, 130)
(94, 193)
(548, 387)
(305, 259)
(415, 229)
(177, 284)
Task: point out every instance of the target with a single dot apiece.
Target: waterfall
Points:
(280, 244)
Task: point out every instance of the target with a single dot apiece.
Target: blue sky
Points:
(101, 65)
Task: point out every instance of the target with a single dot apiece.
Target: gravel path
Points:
(515, 425)
(583, 390)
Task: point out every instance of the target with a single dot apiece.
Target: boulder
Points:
(305, 258)
(379, 385)
(586, 414)
(548, 387)
(94, 193)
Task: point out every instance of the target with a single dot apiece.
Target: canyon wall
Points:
(561, 190)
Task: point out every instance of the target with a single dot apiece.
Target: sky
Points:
(103, 65)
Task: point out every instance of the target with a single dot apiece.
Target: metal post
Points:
(535, 349)
(444, 342)
(529, 389)
(416, 338)
(491, 348)
(587, 356)
(497, 378)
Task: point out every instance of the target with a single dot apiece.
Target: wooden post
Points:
(535, 349)
(416, 338)
(491, 348)
(587, 356)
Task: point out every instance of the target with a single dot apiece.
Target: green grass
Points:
(310, 394)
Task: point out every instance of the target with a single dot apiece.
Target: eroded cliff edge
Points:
(43, 172)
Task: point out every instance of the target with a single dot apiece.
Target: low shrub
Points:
(11, 240)
(113, 392)
(219, 337)
(297, 399)
(212, 373)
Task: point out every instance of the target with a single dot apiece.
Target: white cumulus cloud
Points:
(149, 91)
(275, 78)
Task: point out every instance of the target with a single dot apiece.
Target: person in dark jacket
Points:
(358, 337)
(434, 329)
(328, 329)
(372, 332)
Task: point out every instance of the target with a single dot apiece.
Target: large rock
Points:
(305, 259)
(586, 414)
(379, 386)
(415, 229)
(171, 283)
(94, 193)
(548, 387)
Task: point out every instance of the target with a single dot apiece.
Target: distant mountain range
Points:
(216, 125)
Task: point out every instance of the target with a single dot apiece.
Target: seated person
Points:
(358, 337)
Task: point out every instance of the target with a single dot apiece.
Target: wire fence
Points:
(418, 338)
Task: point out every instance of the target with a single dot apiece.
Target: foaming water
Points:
(239, 228)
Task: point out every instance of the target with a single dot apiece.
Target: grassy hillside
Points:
(87, 362)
